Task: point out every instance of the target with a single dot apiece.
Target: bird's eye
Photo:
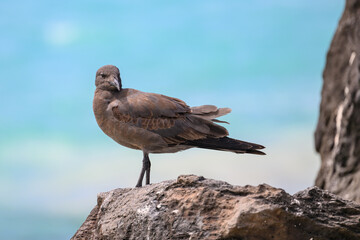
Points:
(103, 75)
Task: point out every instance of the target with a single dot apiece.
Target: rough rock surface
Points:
(197, 208)
(337, 136)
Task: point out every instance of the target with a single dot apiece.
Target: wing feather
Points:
(169, 117)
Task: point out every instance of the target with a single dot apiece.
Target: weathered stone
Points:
(197, 208)
(337, 136)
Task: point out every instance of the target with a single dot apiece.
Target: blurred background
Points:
(263, 59)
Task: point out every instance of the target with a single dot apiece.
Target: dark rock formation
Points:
(196, 208)
(337, 136)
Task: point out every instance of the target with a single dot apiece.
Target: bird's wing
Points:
(169, 117)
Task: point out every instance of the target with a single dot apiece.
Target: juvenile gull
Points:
(155, 123)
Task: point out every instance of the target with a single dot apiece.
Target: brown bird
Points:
(155, 123)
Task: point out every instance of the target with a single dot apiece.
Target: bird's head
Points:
(108, 78)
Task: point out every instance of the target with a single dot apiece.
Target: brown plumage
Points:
(156, 123)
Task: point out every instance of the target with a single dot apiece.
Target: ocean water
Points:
(264, 59)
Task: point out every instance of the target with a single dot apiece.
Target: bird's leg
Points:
(145, 168)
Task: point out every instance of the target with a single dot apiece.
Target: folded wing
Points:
(169, 117)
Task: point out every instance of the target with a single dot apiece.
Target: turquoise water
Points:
(264, 59)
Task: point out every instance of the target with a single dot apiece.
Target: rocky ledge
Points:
(193, 207)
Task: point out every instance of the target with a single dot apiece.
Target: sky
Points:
(264, 59)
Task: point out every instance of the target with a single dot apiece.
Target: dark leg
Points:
(145, 168)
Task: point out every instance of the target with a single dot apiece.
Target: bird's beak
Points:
(114, 82)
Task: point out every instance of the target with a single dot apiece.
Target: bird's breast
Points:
(123, 132)
(114, 129)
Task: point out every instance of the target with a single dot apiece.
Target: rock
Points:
(337, 136)
(197, 208)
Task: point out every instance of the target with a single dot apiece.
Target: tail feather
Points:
(210, 112)
(227, 144)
